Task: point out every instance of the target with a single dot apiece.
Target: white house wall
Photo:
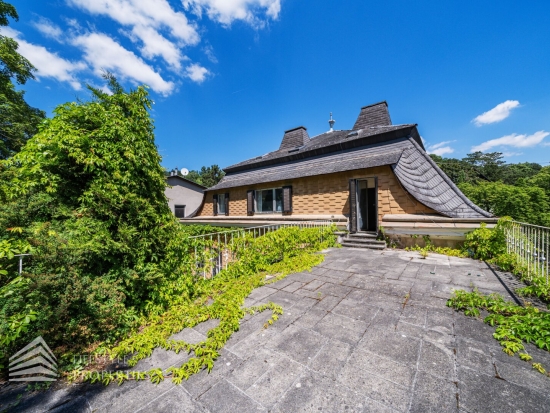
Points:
(183, 193)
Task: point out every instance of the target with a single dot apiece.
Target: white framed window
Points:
(269, 200)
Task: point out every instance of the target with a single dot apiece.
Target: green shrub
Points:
(486, 243)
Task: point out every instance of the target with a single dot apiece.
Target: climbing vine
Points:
(277, 253)
(515, 325)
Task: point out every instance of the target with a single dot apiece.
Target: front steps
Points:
(363, 240)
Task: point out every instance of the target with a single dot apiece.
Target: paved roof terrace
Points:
(365, 331)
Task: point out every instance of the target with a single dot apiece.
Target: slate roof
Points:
(294, 138)
(367, 157)
(373, 115)
(374, 141)
(421, 177)
(329, 142)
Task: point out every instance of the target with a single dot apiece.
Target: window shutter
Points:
(227, 203)
(352, 205)
(215, 204)
(287, 199)
(250, 202)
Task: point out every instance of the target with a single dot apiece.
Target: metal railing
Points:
(215, 251)
(531, 246)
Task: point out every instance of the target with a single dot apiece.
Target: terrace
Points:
(365, 331)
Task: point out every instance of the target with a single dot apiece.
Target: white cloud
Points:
(509, 154)
(103, 53)
(439, 148)
(47, 64)
(442, 150)
(152, 13)
(514, 140)
(154, 44)
(196, 73)
(440, 144)
(147, 19)
(226, 11)
(497, 114)
(209, 52)
(48, 28)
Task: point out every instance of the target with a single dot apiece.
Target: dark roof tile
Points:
(373, 115)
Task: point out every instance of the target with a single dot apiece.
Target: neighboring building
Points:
(373, 176)
(184, 196)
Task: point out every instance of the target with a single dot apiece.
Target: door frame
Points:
(357, 209)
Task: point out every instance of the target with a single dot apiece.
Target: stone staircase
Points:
(363, 240)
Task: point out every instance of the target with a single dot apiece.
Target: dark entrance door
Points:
(366, 205)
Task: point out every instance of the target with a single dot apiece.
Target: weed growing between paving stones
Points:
(515, 325)
(430, 247)
(281, 252)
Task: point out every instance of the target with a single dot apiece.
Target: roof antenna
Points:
(331, 122)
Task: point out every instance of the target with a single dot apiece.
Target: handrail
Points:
(531, 246)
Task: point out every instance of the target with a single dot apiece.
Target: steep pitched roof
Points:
(374, 141)
(422, 178)
(346, 160)
(329, 142)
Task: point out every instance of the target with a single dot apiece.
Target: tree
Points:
(541, 180)
(513, 174)
(457, 170)
(488, 165)
(526, 204)
(18, 120)
(87, 194)
(207, 176)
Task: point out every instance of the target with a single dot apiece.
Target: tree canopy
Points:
(520, 190)
(86, 194)
(18, 120)
(207, 176)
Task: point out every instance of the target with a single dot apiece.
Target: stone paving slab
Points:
(365, 331)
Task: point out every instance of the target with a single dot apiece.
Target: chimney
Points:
(294, 138)
(376, 114)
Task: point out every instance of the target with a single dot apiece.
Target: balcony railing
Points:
(213, 252)
(531, 246)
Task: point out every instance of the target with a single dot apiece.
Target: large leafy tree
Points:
(87, 193)
(523, 203)
(18, 120)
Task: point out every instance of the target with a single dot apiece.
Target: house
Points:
(373, 177)
(184, 196)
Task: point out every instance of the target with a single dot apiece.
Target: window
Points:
(269, 200)
(221, 204)
(179, 211)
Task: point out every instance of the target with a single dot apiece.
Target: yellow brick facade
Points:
(328, 195)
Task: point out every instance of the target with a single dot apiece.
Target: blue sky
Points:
(229, 76)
